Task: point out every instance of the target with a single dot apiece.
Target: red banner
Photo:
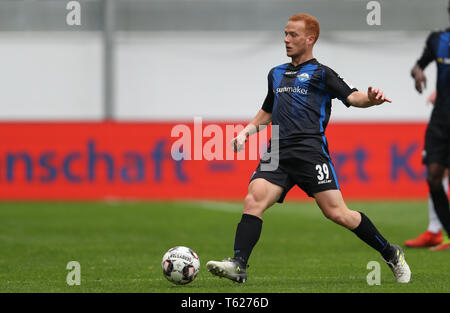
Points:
(82, 161)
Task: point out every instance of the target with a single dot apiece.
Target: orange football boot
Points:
(425, 239)
(445, 245)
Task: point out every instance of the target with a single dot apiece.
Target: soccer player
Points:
(437, 137)
(433, 235)
(299, 103)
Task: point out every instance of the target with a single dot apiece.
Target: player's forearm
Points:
(258, 123)
(360, 100)
(416, 70)
(374, 96)
(420, 80)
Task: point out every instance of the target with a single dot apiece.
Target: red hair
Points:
(312, 26)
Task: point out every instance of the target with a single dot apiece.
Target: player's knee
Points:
(250, 204)
(434, 180)
(336, 216)
(253, 204)
(339, 215)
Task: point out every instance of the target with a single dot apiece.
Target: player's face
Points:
(296, 40)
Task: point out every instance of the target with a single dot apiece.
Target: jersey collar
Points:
(302, 64)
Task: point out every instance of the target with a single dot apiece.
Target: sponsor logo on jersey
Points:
(288, 73)
(294, 89)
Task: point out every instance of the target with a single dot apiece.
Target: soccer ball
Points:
(180, 265)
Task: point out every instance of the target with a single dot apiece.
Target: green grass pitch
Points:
(120, 245)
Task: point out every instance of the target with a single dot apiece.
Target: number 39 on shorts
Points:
(322, 171)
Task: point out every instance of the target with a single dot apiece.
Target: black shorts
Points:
(306, 164)
(437, 139)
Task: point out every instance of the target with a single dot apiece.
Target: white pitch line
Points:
(221, 206)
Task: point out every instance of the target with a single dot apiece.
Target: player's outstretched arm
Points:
(374, 96)
(262, 118)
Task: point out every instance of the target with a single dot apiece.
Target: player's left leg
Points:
(435, 174)
(433, 235)
(434, 225)
(437, 159)
(440, 198)
(333, 207)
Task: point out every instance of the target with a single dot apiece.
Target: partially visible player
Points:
(437, 138)
(433, 235)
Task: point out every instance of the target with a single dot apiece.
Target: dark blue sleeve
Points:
(336, 86)
(268, 102)
(428, 54)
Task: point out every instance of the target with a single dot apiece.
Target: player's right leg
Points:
(262, 194)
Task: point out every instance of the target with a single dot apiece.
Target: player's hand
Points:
(238, 143)
(420, 80)
(432, 98)
(376, 96)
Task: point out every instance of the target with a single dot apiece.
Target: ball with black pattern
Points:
(180, 265)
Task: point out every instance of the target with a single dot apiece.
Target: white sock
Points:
(434, 225)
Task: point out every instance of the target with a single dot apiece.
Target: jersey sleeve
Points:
(428, 54)
(337, 87)
(268, 102)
